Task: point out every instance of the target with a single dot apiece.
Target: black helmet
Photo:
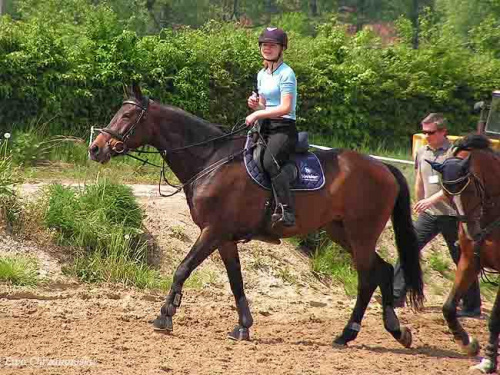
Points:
(274, 35)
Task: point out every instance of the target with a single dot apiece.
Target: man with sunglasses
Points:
(435, 213)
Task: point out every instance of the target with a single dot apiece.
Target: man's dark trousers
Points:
(427, 227)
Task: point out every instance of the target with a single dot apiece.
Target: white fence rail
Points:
(373, 156)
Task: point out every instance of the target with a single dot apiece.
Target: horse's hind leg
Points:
(366, 286)
(489, 363)
(206, 243)
(229, 255)
(385, 277)
(367, 281)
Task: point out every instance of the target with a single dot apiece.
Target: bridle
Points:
(117, 141)
(469, 176)
(472, 219)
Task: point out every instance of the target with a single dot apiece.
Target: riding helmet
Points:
(274, 35)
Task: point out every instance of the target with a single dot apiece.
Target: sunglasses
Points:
(427, 132)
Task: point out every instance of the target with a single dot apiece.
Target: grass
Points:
(330, 260)
(439, 263)
(287, 276)
(19, 270)
(489, 291)
(10, 205)
(103, 223)
(69, 161)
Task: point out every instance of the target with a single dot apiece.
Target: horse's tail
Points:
(406, 241)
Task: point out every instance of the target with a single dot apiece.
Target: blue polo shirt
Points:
(272, 86)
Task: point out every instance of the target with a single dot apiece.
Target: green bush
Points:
(103, 222)
(69, 65)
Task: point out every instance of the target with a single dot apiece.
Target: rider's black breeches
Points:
(281, 141)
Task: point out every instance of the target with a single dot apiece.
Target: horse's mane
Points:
(197, 120)
(173, 109)
(472, 142)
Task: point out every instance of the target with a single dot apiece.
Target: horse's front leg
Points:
(489, 363)
(206, 243)
(229, 255)
(464, 277)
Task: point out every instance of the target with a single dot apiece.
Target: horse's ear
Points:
(436, 166)
(465, 163)
(136, 91)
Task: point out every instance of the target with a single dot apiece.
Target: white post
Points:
(91, 131)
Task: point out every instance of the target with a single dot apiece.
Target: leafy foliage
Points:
(104, 223)
(72, 64)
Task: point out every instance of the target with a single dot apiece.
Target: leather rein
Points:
(117, 143)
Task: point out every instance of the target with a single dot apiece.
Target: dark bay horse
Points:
(359, 197)
(472, 181)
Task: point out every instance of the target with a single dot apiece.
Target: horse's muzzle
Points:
(98, 154)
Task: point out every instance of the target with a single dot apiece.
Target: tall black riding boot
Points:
(281, 186)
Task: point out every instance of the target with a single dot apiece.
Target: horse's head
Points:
(455, 174)
(126, 130)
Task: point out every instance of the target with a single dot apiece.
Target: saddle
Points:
(303, 168)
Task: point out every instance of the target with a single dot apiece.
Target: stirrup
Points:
(286, 217)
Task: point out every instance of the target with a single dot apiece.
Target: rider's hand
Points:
(250, 120)
(253, 102)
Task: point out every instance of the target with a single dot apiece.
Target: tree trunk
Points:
(415, 11)
(313, 6)
(1, 7)
(236, 13)
(360, 14)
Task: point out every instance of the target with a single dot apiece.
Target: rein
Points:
(117, 143)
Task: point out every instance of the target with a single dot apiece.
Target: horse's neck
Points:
(486, 166)
(176, 129)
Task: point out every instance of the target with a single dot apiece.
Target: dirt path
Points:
(67, 328)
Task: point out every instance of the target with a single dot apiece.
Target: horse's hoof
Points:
(239, 333)
(163, 323)
(406, 338)
(339, 343)
(485, 367)
(473, 348)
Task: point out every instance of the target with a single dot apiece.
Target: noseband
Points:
(455, 182)
(117, 142)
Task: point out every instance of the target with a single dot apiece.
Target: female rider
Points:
(275, 107)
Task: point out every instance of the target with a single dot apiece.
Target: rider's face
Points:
(270, 51)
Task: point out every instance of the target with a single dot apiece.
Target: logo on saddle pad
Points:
(310, 172)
